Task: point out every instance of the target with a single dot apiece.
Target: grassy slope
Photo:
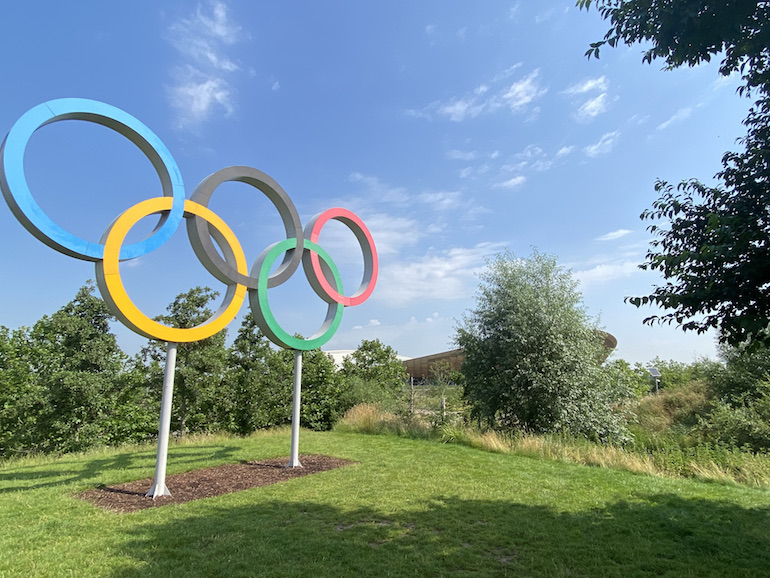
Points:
(408, 508)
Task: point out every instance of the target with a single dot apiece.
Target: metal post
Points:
(294, 460)
(159, 487)
(411, 396)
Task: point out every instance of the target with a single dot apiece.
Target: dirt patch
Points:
(205, 483)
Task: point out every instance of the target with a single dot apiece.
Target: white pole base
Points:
(294, 463)
(294, 459)
(158, 490)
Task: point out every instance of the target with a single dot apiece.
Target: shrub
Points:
(533, 357)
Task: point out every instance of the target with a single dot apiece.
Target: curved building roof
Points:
(419, 367)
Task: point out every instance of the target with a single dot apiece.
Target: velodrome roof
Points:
(419, 367)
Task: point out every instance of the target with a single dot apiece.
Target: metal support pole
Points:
(411, 396)
(159, 487)
(294, 460)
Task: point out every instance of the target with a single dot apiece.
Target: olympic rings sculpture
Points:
(204, 229)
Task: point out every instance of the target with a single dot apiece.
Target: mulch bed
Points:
(208, 482)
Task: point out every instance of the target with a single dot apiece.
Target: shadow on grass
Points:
(661, 535)
(86, 470)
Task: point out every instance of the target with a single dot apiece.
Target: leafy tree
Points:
(676, 375)
(136, 408)
(258, 385)
(740, 391)
(65, 384)
(375, 361)
(744, 374)
(22, 398)
(743, 422)
(373, 373)
(76, 362)
(200, 365)
(635, 379)
(714, 250)
(322, 399)
(533, 356)
(77, 359)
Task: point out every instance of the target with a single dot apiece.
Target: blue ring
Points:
(16, 191)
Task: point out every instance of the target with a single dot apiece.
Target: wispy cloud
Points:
(375, 192)
(195, 94)
(200, 83)
(379, 190)
(679, 116)
(514, 183)
(459, 109)
(606, 272)
(613, 235)
(544, 16)
(392, 234)
(413, 335)
(458, 155)
(519, 97)
(507, 73)
(604, 146)
(534, 158)
(600, 84)
(595, 104)
(439, 275)
(622, 262)
(592, 108)
(372, 323)
(732, 80)
(523, 92)
(442, 200)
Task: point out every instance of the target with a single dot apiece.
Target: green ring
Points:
(260, 307)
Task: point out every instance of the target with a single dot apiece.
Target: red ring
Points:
(371, 264)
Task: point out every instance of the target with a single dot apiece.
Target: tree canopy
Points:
(60, 380)
(65, 384)
(200, 364)
(713, 247)
(373, 373)
(692, 31)
(533, 356)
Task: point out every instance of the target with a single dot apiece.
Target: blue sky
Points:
(454, 130)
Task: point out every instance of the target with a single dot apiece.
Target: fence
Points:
(434, 402)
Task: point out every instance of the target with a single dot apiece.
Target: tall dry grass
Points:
(748, 469)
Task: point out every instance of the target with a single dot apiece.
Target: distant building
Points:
(419, 367)
(338, 355)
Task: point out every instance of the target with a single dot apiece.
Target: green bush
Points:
(744, 424)
(533, 358)
(373, 374)
(634, 379)
(676, 374)
(742, 375)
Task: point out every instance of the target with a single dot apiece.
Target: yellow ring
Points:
(111, 286)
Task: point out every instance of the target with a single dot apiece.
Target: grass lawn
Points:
(407, 508)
